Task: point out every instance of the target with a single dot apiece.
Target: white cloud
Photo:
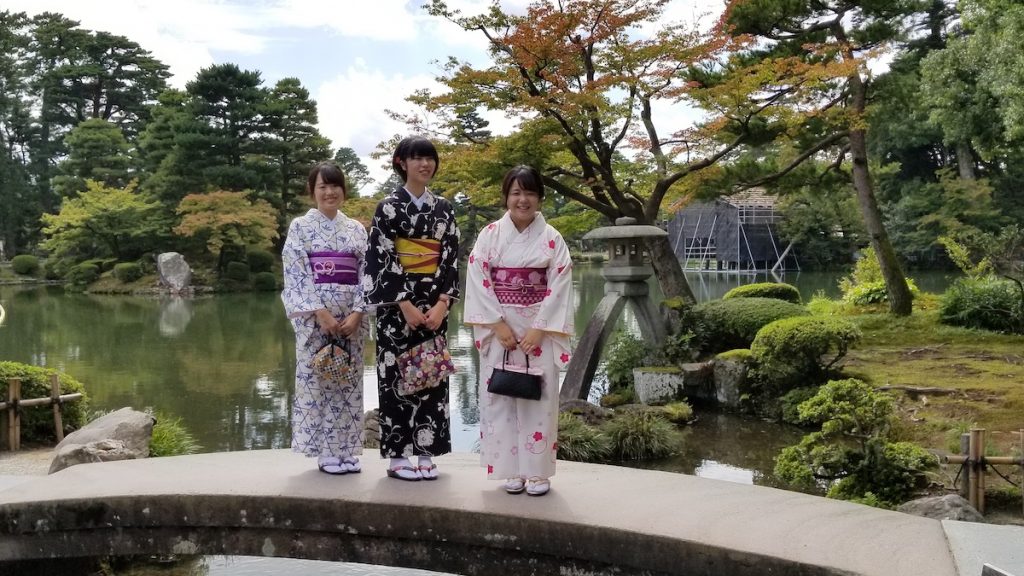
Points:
(353, 106)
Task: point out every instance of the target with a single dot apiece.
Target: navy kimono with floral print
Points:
(416, 424)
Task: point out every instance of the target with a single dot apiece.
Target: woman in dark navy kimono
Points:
(411, 277)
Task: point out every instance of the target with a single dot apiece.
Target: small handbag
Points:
(424, 366)
(515, 381)
(333, 363)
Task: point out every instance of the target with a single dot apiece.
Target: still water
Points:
(225, 365)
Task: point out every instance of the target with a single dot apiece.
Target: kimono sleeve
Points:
(448, 266)
(383, 279)
(299, 294)
(482, 306)
(359, 243)
(557, 310)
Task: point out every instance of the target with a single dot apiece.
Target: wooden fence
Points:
(10, 411)
(972, 459)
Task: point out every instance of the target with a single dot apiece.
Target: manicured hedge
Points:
(733, 323)
(265, 281)
(800, 351)
(127, 271)
(25, 264)
(777, 290)
(260, 261)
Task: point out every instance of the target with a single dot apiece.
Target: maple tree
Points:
(597, 75)
(104, 221)
(227, 219)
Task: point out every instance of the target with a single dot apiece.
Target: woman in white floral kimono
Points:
(322, 297)
(519, 299)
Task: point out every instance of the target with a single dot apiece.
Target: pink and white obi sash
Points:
(521, 286)
(331, 267)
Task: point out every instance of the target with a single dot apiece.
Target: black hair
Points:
(412, 147)
(330, 173)
(528, 178)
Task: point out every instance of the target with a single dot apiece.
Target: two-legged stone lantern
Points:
(625, 276)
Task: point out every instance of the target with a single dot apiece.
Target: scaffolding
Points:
(733, 234)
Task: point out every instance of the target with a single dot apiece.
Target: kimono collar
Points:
(339, 218)
(538, 224)
(425, 199)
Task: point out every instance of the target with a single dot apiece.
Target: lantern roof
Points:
(625, 227)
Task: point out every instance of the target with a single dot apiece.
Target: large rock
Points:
(949, 507)
(120, 435)
(729, 376)
(663, 385)
(592, 414)
(175, 273)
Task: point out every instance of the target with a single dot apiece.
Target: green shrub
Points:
(790, 403)
(641, 435)
(127, 272)
(265, 281)
(25, 264)
(865, 285)
(617, 398)
(171, 438)
(37, 421)
(728, 324)
(260, 260)
(580, 442)
(777, 290)
(854, 451)
(987, 302)
(624, 353)
(237, 271)
(81, 275)
(799, 351)
(102, 264)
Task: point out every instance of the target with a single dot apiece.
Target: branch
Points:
(661, 188)
(587, 201)
(821, 145)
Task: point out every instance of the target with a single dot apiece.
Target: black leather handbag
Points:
(515, 381)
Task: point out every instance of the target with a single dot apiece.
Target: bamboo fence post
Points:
(977, 476)
(13, 414)
(58, 422)
(965, 450)
(1022, 470)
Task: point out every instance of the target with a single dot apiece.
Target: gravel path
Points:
(32, 462)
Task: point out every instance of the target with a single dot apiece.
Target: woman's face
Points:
(419, 170)
(329, 197)
(522, 204)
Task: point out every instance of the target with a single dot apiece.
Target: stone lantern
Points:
(625, 274)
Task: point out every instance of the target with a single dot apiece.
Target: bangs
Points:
(423, 148)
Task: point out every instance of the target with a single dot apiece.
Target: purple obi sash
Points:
(331, 267)
(522, 286)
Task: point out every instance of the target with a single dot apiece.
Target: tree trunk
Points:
(965, 161)
(900, 300)
(668, 271)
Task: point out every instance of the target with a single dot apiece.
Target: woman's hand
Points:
(531, 342)
(328, 323)
(504, 335)
(350, 325)
(436, 315)
(413, 316)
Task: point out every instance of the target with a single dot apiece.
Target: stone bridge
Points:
(596, 520)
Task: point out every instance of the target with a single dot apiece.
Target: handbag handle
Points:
(505, 358)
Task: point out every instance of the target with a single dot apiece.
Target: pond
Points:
(224, 364)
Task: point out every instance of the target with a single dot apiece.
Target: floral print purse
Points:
(333, 363)
(424, 366)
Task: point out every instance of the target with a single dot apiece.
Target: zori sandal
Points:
(428, 472)
(407, 473)
(515, 485)
(538, 486)
(329, 465)
(351, 465)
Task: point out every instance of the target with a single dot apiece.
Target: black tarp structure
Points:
(735, 233)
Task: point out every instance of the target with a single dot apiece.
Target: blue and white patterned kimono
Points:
(326, 421)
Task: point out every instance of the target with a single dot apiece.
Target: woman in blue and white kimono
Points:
(322, 296)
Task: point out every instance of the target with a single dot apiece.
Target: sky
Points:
(358, 58)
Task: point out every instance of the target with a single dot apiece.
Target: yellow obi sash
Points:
(418, 255)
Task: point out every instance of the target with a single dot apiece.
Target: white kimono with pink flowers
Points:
(532, 273)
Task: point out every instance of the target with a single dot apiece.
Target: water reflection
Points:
(258, 566)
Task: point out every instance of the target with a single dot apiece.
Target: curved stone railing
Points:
(596, 520)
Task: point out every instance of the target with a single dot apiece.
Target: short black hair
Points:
(528, 177)
(330, 173)
(410, 147)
